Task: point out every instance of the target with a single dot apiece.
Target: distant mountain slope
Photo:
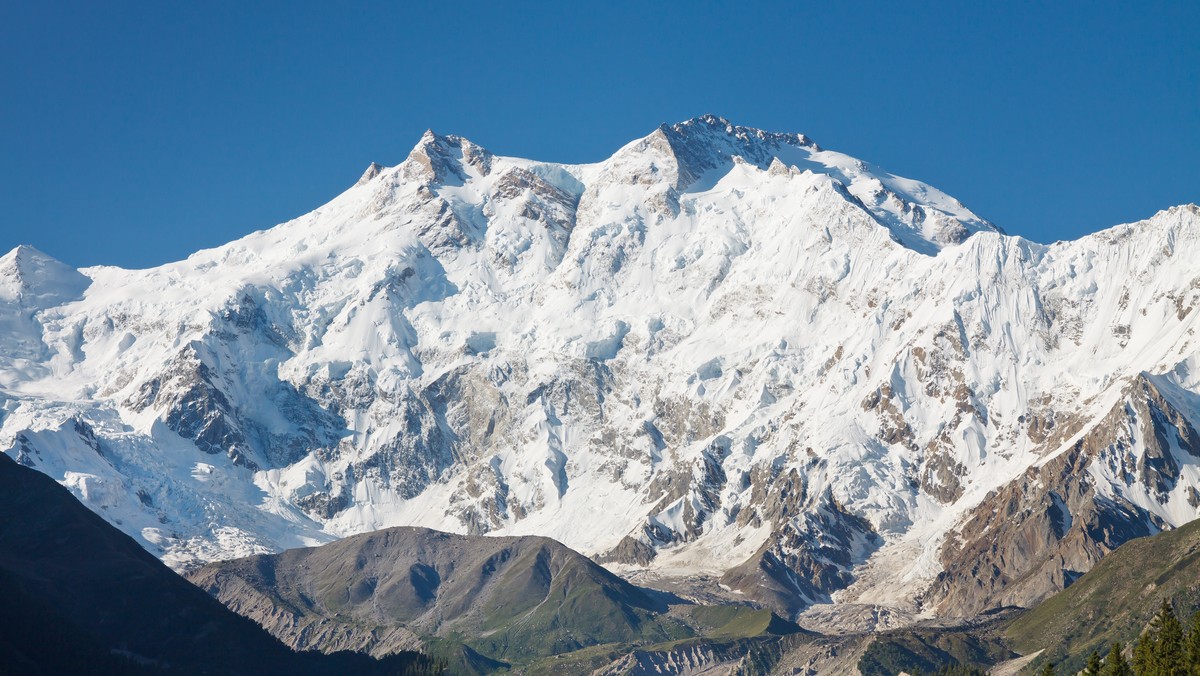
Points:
(1116, 599)
(511, 599)
(82, 597)
(722, 354)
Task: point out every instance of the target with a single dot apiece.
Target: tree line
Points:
(1165, 648)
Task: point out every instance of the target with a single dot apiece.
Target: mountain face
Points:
(82, 597)
(721, 354)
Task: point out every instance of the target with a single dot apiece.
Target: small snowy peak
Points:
(1136, 248)
(1186, 210)
(372, 171)
(778, 168)
(447, 160)
(991, 252)
(33, 279)
(646, 161)
(1182, 220)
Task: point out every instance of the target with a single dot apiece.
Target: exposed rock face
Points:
(296, 623)
(686, 660)
(1114, 601)
(807, 559)
(721, 352)
(1036, 535)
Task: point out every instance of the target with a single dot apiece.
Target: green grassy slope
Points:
(480, 603)
(930, 650)
(1116, 599)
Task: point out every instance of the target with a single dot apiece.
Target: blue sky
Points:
(134, 134)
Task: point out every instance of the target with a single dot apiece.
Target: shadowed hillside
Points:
(82, 597)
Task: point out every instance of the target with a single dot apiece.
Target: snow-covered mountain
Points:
(721, 354)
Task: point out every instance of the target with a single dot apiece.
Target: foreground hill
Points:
(484, 602)
(82, 597)
(721, 354)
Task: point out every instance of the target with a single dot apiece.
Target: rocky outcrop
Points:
(709, 659)
(806, 559)
(1039, 533)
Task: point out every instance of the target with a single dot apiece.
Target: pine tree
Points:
(1047, 670)
(1168, 653)
(1191, 647)
(1143, 653)
(1115, 664)
(1093, 664)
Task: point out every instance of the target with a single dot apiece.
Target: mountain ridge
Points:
(789, 371)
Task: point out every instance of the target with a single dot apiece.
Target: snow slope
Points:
(720, 351)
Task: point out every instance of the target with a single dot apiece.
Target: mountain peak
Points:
(1168, 228)
(1182, 216)
(1181, 210)
(694, 155)
(704, 124)
(372, 171)
(721, 141)
(35, 278)
(710, 119)
(708, 144)
(714, 126)
(442, 160)
(24, 252)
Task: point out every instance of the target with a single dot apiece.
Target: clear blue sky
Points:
(133, 134)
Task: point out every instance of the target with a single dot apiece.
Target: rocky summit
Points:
(723, 361)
